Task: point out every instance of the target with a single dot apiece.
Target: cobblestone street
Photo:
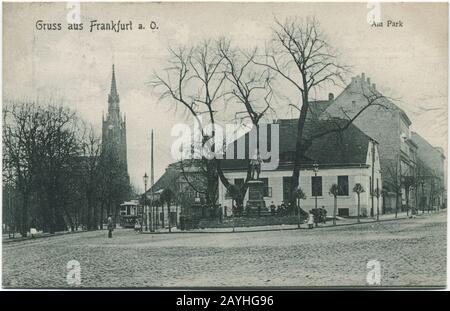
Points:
(412, 252)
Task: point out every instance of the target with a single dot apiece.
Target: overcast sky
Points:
(409, 63)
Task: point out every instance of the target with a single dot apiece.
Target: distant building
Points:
(344, 158)
(114, 153)
(385, 122)
(173, 181)
(114, 129)
(432, 183)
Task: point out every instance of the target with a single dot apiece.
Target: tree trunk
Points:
(416, 196)
(168, 216)
(102, 207)
(407, 202)
(359, 208)
(299, 150)
(335, 211)
(162, 216)
(94, 216)
(24, 216)
(90, 214)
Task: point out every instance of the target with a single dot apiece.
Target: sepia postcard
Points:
(184, 145)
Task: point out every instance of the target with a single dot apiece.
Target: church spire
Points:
(113, 83)
(113, 97)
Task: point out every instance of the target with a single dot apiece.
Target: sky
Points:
(74, 67)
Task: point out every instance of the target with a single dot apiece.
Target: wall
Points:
(329, 176)
(379, 123)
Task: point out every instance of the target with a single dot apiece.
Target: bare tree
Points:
(91, 150)
(358, 189)
(251, 88)
(301, 55)
(194, 79)
(59, 146)
(40, 143)
(20, 127)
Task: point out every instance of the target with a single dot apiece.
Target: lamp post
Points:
(316, 170)
(422, 201)
(145, 202)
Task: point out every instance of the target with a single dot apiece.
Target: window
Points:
(287, 188)
(316, 186)
(343, 212)
(343, 185)
(123, 210)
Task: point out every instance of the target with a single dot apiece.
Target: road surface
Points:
(410, 252)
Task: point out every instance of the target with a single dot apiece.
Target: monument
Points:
(256, 204)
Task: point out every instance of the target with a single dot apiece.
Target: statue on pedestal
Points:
(255, 166)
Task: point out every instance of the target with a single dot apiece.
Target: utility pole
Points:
(316, 169)
(373, 175)
(145, 209)
(152, 182)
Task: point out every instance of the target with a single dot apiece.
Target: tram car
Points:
(129, 213)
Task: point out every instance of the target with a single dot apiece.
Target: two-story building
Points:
(343, 158)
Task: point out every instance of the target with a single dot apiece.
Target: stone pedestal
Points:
(255, 201)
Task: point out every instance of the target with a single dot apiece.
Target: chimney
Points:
(374, 86)
(330, 96)
(363, 76)
(353, 80)
(368, 81)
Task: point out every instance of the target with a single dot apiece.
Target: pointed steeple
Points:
(113, 83)
(113, 97)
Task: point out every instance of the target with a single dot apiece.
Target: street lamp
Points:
(316, 169)
(145, 202)
(422, 201)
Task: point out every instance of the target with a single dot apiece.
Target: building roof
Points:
(348, 147)
(167, 180)
(360, 85)
(316, 108)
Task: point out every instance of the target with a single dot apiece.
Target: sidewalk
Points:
(19, 238)
(339, 222)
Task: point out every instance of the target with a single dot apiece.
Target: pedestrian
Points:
(110, 226)
(310, 221)
(282, 208)
(137, 226)
(272, 208)
(324, 214)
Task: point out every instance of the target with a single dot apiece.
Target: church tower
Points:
(114, 130)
